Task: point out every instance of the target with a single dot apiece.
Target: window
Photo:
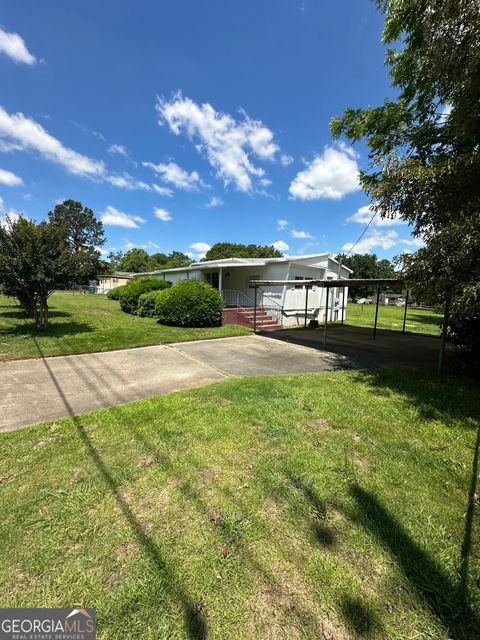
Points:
(251, 278)
(300, 286)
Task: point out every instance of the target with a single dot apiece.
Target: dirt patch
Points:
(319, 424)
(126, 550)
(146, 460)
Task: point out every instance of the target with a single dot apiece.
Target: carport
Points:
(377, 283)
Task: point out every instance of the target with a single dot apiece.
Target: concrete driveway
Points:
(35, 391)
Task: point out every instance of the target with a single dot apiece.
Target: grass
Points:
(418, 321)
(87, 323)
(333, 505)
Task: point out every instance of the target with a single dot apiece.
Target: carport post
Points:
(255, 310)
(326, 320)
(343, 302)
(376, 314)
(405, 312)
(306, 305)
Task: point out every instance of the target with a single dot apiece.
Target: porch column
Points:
(220, 271)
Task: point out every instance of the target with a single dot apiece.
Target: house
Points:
(111, 280)
(389, 299)
(278, 305)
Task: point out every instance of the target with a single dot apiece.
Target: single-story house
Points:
(278, 305)
(111, 280)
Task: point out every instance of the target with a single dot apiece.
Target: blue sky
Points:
(185, 123)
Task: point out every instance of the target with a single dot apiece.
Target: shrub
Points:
(116, 292)
(147, 302)
(190, 303)
(132, 291)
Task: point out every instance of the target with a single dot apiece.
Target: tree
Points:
(425, 146)
(35, 259)
(136, 261)
(83, 234)
(366, 266)
(222, 250)
(176, 259)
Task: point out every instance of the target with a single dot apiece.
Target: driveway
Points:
(35, 391)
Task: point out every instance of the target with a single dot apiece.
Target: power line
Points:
(362, 234)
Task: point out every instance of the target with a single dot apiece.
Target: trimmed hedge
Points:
(190, 303)
(132, 292)
(116, 292)
(147, 302)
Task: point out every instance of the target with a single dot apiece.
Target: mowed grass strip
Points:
(81, 323)
(333, 505)
(418, 320)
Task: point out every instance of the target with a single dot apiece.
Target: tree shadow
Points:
(358, 616)
(445, 599)
(21, 315)
(53, 331)
(323, 534)
(195, 625)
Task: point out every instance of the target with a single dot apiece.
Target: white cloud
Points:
(381, 239)
(114, 217)
(15, 48)
(163, 191)
(20, 133)
(162, 214)
(364, 215)
(118, 149)
(416, 243)
(280, 245)
(282, 224)
(301, 234)
(330, 175)
(24, 133)
(227, 143)
(9, 179)
(214, 202)
(11, 214)
(172, 173)
(285, 159)
(199, 249)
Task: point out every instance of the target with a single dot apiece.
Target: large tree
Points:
(222, 250)
(425, 147)
(83, 234)
(366, 266)
(35, 259)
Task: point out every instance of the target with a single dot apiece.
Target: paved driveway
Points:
(34, 391)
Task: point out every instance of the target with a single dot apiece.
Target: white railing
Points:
(232, 298)
(273, 308)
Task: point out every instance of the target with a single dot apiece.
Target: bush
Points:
(190, 303)
(464, 329)
(147, 302)
(132, 291)
(116, 292)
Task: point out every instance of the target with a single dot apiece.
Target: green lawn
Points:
(85, 323)
(418, 321)
(334, 505)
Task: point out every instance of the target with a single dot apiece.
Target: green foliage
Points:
(190, 303)
(134, 289)
(34, 260)
(138, 261)
(366, 266)
(116, 292)
(147, 302)
(425, 148)
(222, 250)
(83, 234)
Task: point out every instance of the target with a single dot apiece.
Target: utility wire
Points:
(362, 234)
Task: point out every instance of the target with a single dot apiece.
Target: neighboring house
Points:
(389, 299)
(278, 305)
(111, 280)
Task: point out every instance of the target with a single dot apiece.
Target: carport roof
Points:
(344, 282)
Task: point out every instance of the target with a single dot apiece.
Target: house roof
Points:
(243, 262)
(119, 274)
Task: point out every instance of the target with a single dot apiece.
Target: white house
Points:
(284, 304)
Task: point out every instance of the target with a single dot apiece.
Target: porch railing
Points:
(233, 298)
(273, 308)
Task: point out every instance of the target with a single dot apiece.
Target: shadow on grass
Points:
(323, 534)
(55, 330)
(195, 625)
(358, 616)
(20, 315)
(447, 600)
